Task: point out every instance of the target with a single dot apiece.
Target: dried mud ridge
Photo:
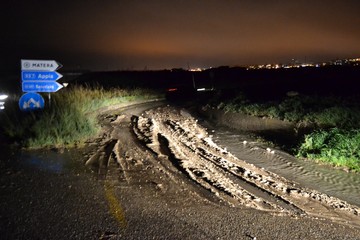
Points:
(174, 138)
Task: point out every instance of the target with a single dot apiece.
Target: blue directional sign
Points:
(41, 86)
(40, 76)
(31, 101)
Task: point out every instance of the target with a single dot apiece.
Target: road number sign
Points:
(41, 86)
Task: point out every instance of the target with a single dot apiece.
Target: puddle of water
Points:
(325, 179)
(43, 160)
(51, 161)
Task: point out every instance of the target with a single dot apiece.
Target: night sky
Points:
(120, 35)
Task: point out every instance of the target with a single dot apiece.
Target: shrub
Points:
(336, 146)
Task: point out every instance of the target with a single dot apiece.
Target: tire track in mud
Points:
(132, 164)
(273, 159)
(334, 182)
(176, 138)
(212, 163)
(231, 179)
(212, 171)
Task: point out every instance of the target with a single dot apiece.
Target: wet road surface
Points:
(51, 195)
(39, 203)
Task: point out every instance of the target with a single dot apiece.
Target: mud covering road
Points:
(165, 178)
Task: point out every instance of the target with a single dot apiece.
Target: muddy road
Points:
(155, 173)
(162, 155)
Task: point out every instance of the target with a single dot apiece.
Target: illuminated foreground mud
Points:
(167, 148)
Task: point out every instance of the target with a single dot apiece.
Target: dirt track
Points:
(167, 149)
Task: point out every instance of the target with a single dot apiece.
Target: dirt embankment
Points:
(169, 149)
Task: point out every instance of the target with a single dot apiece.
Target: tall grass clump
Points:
(69, 120)
(335, 146)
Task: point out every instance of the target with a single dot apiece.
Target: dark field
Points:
(258, 84)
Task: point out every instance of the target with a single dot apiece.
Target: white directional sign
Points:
(39, 65)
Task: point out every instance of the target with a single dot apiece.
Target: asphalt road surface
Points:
(128, 191)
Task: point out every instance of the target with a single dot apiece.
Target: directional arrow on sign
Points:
(31, 101)
(40, 76)
(39, 65)
(43, 86)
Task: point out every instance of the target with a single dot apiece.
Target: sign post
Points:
(39, 76)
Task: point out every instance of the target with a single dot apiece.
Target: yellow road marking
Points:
(114, 205)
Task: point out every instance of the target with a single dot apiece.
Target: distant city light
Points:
(296, 64)
(196, 69)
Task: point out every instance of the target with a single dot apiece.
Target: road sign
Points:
(41, 86)
(31, 101)
(39, 65)
(40, 76)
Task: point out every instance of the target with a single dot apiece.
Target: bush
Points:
(336, 146)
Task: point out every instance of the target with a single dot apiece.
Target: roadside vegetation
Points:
(334, 124)
(69, 120)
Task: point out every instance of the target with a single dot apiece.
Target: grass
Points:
(335, 146)
(335, 121)
(70, 120)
